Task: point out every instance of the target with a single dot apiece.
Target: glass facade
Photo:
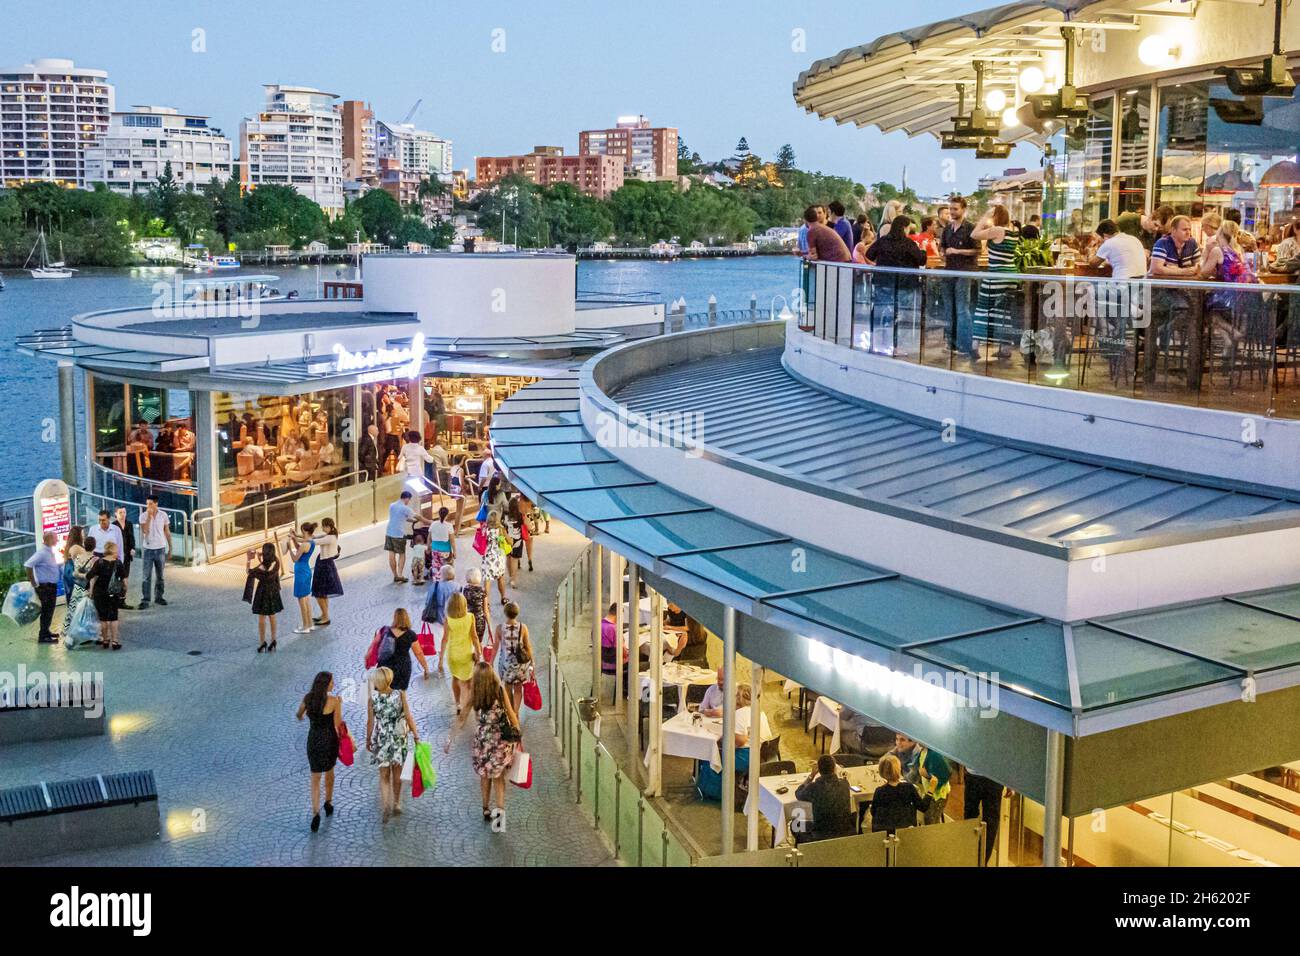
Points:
(143, 431)
(1190, 144)
(268, 445)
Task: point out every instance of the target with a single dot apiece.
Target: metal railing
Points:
(632, 824)
(681, 321)
(1230, 346)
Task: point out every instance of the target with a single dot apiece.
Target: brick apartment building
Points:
(590, 173)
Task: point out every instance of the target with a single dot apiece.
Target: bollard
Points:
(713, 311)
(753, 307)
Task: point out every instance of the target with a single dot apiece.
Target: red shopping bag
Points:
(532, 695)
(521, 770)
(417, 783)
(347, 748)
(372, 655)
(427, 642)
(487, 653)
(480, 540)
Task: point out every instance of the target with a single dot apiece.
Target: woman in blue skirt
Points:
(301, 547)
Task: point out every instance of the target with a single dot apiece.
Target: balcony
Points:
(1213, 345)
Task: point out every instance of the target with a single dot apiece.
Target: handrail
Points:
(175, 487)
(1054, 276)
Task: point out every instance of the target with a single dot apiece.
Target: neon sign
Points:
(409, 359)
(903, 690)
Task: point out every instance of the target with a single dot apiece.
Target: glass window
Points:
(619, 502)
(1223, 631)
(1077, 183)
(1134, 145)
(272, 442)
(576, 453)
(1180, 148)
(771, 569)
(109, 417)
(689, 532)
(1028, 659)
(1114, 669)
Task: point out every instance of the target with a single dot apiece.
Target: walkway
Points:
(189, 698)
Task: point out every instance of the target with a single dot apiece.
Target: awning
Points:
(1079, 678)
(907, 80)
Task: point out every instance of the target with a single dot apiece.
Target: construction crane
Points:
(410, 114)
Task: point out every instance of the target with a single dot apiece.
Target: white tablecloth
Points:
(676, 678)
(778, 808)
(790, 687)
(826, 713)
(683, 736)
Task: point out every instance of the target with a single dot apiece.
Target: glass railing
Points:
(1230, 346)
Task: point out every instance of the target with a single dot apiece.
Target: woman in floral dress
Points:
(515, 651)
(495, 734)
(494, 558)
(388, 719)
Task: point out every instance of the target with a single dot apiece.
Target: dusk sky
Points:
(714, 73)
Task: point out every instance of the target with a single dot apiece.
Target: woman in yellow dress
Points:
(460, 647)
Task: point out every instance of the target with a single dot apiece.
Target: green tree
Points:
(381, 216)
(573, 219)
(785, 158)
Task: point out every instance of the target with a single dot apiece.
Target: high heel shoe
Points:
(272, 646)
(315, 823)
(261, 647)
(329, 809)
(487, 814)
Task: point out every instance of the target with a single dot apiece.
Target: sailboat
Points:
(46, 269)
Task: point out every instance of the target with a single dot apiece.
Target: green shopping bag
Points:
(424, 760)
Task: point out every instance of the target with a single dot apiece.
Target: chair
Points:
(695, 693)
(770, 749)
(668, 709)
(775, 768)
(850, 760)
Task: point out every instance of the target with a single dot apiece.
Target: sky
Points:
(500, 78)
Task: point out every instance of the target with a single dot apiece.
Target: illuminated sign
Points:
(469, 403)
(52, 508)
(409, 360)
(903, 690)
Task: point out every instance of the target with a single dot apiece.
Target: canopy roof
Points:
(907, 80)
(1078, 677)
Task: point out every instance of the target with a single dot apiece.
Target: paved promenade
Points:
(189, 698)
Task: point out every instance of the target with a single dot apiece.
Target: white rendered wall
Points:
(475, 295)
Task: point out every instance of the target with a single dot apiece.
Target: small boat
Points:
(45, 269)
(220, 262)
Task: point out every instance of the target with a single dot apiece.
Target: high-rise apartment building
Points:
(407, 157)
(590, 173)
(648, 152)
(360, 160)
(141, 143)
(295, 140)
(51, 111)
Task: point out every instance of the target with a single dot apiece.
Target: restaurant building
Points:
(1067, 558)
(243, 411)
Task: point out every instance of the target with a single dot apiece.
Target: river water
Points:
(29, 449)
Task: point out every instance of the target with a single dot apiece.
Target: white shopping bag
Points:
(408, 768)
(521, 770)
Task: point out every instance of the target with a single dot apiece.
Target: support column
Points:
(68, 425)
(597, 615)
(1054, 798)
(616, 598)
(633, 670)
(656, 724)
(755, 753)
(205, 450)
(415, 403)
(358, 430)
(728, 742)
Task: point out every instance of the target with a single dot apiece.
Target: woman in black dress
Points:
(405, 640)
(325, 582)
(106, 580)
(264, 579)
(325, 711)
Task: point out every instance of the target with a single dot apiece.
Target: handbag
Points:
(480, 540)
(532, 694)
(521, 770)
(509, 732)
(424, 766)
(347, 747)
(116, 586)
(408, 767)
(426, 639)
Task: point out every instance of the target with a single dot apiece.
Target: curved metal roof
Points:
(1087, 677)
(907, 80)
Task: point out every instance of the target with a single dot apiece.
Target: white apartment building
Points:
(295, 140)
(50, 112)
(415, 150)
(141, 143)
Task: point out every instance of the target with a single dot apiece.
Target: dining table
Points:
(676, 678)
(692, 735)
(780, 807)
(826, 714)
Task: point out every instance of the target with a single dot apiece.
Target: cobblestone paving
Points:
(189, 698)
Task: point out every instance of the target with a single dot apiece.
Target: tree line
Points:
(100, 227)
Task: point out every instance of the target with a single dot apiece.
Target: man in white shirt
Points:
(105, 532)
(156, 548)
(486, 470)
(1123, 253)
